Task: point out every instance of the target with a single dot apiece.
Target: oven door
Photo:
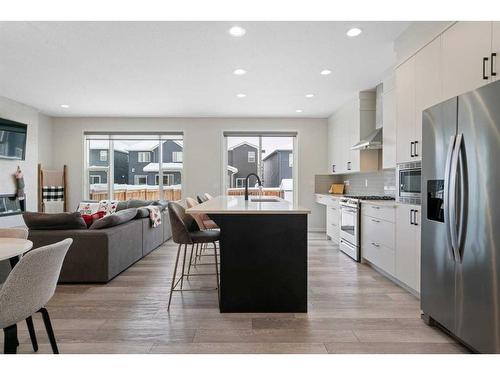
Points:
(349, 224)
(409, 182)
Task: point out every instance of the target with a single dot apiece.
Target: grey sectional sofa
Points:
(98, 255)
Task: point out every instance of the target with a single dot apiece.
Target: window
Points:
(251, 156)
(240, 183)
(144, 157)
(168, 179)
(275, 167)
(103, 155)
(140, 180)
(177, 156)
(123, 166)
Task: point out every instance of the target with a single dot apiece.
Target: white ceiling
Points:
(185, 68)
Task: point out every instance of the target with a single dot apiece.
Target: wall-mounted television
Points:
(12, 140)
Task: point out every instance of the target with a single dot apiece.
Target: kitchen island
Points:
(263, 253)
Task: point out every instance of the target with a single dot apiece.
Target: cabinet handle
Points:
(376, 221)
(375, 244)
(415, 148)
(485, 60)
(376, 207)
(492, 67)
(415, 222)
(348, 165)
(411, 217)
(333, 168)
(411, 149)
(334, 225)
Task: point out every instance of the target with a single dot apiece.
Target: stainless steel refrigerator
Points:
(460, 265)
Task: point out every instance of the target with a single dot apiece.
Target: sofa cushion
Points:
(136, 203)
(142, 212)
(162, 203)
(122, 205)
(115, 219)
(45, 221)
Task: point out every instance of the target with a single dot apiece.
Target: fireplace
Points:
(10, 205)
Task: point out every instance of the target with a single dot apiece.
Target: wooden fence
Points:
(169, 194)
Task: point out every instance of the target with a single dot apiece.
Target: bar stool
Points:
(184, 232)
(208, 196)
(201, 199)
(204, 223)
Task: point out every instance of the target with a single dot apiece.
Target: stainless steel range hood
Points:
(371, 142)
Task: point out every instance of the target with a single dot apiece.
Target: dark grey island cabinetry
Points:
(263, 253)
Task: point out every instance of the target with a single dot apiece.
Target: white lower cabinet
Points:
(408, 245)
(377, 236)
(332, 215)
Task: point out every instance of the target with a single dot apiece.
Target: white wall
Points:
(15, 111)
(203, 142)
(45, 141)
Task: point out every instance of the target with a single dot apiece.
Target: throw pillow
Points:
(142, 212)
(108, 206)
(88, 208)
(44, 221)
(115, 219)
(87, 219)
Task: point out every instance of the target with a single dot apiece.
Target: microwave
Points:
(409, 177)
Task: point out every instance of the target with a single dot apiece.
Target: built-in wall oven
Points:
(349, 228)
(409, 177)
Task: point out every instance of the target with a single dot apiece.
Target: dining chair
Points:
(28, 289)
(21, 233)
(201, 199)
(184, 233)
(208, 196)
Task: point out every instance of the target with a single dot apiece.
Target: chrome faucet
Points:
(246, 184)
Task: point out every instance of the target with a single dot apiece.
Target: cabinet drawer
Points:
(387, 213)
(327, 200)
(333, 231)
(378, 231)
(321, 199)
(380, 255)
(332, 214)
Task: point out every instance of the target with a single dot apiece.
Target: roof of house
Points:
(245, 143)
(275, 152)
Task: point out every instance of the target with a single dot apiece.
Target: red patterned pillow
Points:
(87, 219)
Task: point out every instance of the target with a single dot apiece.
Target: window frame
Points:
(236, 182)
(105, 153)
(137, 176)
(174, 153)
(254, 157)
(290, 160)
(93, 176)
(143, 153)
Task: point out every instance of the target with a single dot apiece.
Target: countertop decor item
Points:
(336, 189)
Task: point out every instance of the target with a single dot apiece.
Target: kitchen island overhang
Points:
(263, 254)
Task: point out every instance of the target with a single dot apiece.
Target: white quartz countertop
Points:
(236, 204)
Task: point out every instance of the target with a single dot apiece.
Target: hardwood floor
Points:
(352, 309)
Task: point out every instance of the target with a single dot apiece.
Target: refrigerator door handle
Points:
(452, 197)
(464, 191)
(447, 217)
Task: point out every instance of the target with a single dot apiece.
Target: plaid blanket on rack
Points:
(52, 193)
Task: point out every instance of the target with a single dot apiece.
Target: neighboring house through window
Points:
(251, 156)
(290, 160)
(95, 179)
(240, 182)
(144, 157)
(140, 180)
(168, 179)
(177, 156)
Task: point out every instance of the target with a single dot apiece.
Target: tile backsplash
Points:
(370, 183)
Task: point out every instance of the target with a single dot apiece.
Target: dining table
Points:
(13, 248)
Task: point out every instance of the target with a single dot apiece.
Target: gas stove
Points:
(370, 197)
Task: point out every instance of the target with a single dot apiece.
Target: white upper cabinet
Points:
(389, 124)
(495, 51)
(428, 86)
(405, 111)
(466, 54)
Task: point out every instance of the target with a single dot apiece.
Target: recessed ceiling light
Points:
(355, 31)
(240, 72)
(299, 110)
(325, 72)
(237, 31)
(241, 95)
(64, 106)
(309, 95)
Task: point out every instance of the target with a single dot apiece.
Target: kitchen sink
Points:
(258, 199)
